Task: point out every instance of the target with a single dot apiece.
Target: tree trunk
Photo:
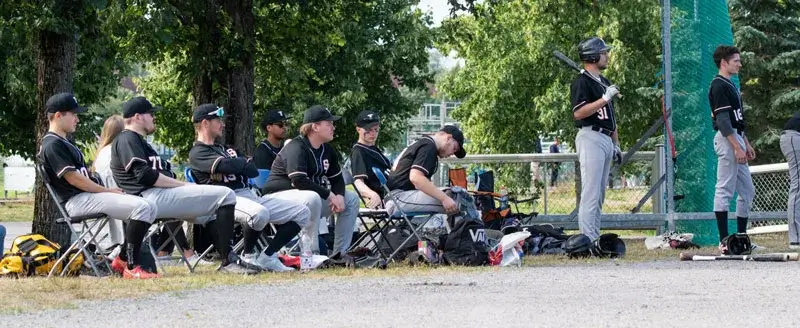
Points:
(239, 122)
(55, 62)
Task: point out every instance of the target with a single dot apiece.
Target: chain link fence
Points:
(772, 191)
(554, 181)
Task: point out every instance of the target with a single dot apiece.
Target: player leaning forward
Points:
(730, 143)
(214, 164)
(597, 141)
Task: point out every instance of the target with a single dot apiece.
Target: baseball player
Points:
(790, 146)
(365, 155)
(275, 123)
(139, 170)
(299, 174)
(730, 143)
(215, 164)
(597, 142)
(63, 162)
(410, 181)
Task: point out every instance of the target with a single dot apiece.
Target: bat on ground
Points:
(771, 257)
(564, 59)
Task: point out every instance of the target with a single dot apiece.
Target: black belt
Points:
(602, 130)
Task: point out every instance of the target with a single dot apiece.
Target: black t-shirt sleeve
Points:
(295, 159)
(426, 159)
(59, 158)
(358, 166)
(720, 98)
(204, 159)
(578, 94)
(135, 160)
(263, 157)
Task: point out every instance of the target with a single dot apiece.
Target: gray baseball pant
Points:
(345, 221)
(256, 212)
(790, 146)
(412, 201)
(595, 151)
(116, 207)
(732, 177)
(194, 203)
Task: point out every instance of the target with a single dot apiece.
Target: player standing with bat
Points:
(597, 142)
(730, 143)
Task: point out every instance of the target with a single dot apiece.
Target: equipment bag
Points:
(34, 255)
(465, 244)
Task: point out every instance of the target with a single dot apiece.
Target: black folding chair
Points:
(89, 226)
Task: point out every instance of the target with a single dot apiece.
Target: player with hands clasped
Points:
(730, 143)
(597, 142)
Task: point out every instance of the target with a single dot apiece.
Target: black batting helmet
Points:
(578, 246)
(590, 49)
(608, 245)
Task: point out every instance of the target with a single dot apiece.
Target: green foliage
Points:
(98, 66)
(768, 34)
(512, 88)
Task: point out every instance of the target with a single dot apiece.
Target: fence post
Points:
(658, 170)
(544, 190)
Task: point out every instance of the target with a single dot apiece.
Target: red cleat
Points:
(139, 273)
(118, 265)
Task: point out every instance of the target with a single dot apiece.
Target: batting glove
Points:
(617, 155)
(611, 91)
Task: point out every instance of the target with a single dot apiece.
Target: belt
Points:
(601, 130)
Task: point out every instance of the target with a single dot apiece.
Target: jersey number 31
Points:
(602, 113)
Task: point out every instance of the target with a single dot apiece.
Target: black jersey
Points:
(300, 166)
(59, 156)
(265, 154)
(422, 156)
(362, 159)
(218, 165)
(135, 164)
(585, 90)
(725, 99)
(793, 123)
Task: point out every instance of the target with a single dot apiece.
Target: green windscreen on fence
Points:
(698, 27)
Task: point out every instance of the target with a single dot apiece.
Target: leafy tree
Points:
(768, 34)
(513, 90)
(50, 47)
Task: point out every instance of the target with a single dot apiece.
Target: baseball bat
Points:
(573, 65)
(771, 257)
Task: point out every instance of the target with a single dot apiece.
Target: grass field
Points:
(31, 294)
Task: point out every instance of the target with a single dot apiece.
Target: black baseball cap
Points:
(274, 116)
(63, 102)
(456, 133)
(367, 119)
(207, 112)
(318, 113)
(137, 105)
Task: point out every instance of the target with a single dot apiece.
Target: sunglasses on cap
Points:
(219, 112)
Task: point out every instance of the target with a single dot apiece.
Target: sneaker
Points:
(118, 265)
(794, 245)
(251, 259)
(235, 268)
(271, 263)
(139, 273)
(199, 260)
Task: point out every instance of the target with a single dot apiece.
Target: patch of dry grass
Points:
(31, 294)
(16, 211)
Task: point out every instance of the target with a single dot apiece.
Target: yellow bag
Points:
(33, 254)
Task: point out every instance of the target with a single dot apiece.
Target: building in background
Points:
(430, 118)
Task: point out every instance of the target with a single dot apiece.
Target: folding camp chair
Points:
(239, 245)
(382, 222)
(88, 226)
(485, 196)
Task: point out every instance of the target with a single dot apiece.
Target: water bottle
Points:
(305, 252)
(503, 198)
